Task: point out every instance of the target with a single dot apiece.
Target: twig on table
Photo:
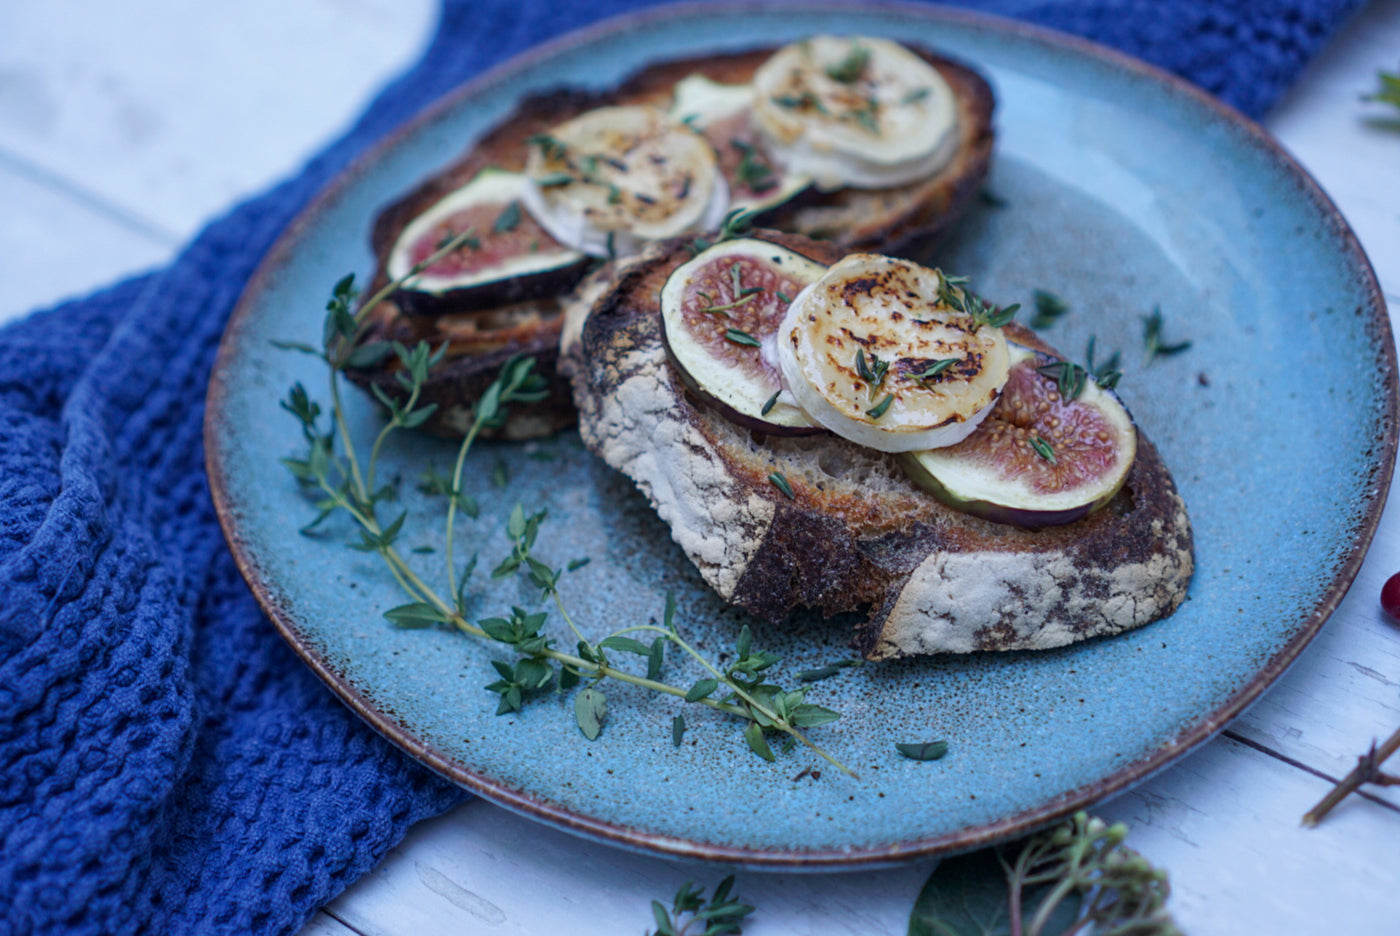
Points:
(1367, 771)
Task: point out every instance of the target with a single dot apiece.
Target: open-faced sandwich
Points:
(849, 432)
(858, 141)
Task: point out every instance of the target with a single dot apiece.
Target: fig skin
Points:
(493, 293)
(752, 423)
(997, 513)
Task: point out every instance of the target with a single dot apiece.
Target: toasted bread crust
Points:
(906, 221)
(857, 534)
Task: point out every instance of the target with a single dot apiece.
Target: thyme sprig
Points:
(1389, 90)
(341, 481)
(951, 293)
(720, 916)
(1153, 345)
(1070, 378)
(1075, 878)
(1048, 309)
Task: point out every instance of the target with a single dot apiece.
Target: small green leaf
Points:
(677, 730)
(664, 926)
(1043, 449)
(769, 404)
(702, 689)
(508, 218)
(968, 895)
(415, 614)
(811, 716)
(296, 346)
(753, 734)
(498, 629)
(1048, 309)
(668, 617)
(741, 337)
(780, 482)
(656, 658)
(368, 354)
(576, 564)
(745, 642)
(923, 751)
(590, 708)
(879, 409)
(625, 644)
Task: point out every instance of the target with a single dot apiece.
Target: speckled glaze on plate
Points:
(1117, 187)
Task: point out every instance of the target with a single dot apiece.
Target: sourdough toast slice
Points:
(856, 534)
(523, 317)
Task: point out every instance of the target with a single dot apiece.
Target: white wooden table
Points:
(124, 127)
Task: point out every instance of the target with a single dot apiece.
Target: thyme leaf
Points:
(1389, 90)
(879, 409)
(1154, 346)
(781, 483)
(849, 69)
(1048, 309)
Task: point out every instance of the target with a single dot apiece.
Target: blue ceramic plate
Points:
(1118, 188)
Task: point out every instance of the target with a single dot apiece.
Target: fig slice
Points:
(723, 113)
(720, 313)
(1038, 459)
(509, 257)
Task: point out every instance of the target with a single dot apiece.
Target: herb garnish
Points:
(720, 917)
(1389, 92)
(752, 170)
(736, 223)
(1043, 449)
(1152, 341)
(868, 116)
(550, 147)
(1107, 374)
(342, 481)
(936, 368)
(879, 409)
(798, 102)
(1069, 378)
(555, 180)
(848, 70)
(1048, 309)
(915, 96)
(508, 218)
(739, 336)
(768, 405)
(952, 294)
(873, 372)
(781, 483)
(1077, 877)
(923, 751)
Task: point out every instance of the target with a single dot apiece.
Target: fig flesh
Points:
(1038, 459)
(720, 313)
(723, 113)
(507, 258)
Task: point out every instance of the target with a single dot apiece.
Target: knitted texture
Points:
(166, 762)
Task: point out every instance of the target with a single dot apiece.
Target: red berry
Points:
(1390, 597)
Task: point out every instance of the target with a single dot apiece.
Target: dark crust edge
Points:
(926, 210)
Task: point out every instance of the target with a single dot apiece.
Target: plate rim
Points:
(825, 859)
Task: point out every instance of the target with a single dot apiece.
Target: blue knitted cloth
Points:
(166, 762)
